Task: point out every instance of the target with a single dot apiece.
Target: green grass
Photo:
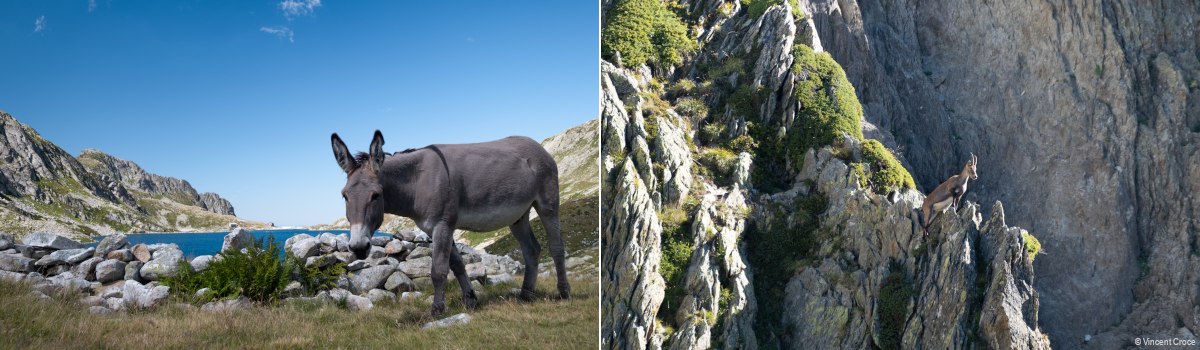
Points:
(1032, 245)
(501, 322)
(718, 164)
(894, 294)
(886, 172)
(578, 223)
(644, 31)
(676, 251)
(777, 253)
(758, 7)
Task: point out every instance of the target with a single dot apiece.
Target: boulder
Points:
(377, 295)
(408, 234)
(121, 254)
(476, 271)
(51, 241)
(111, 243)
(320, 261)
(357, 265)
(140, 252)
(345, 257)
(153, 297)
(501, 278)
(287, 245)
(69, 256)
(369, 278)
(380, 241)
(154, 248)
(110, 270)
(16, 263)
(114, 290)
(200, 263)
(228, 305)
(422, 237)
(328, 239)
(7, 241)
(58, 269)
(11, 276)
(41, 295)
(376, 252)
(343, 242)
(100, 310)
(387, 260)
(415, 268)
(449, 321)
(394, 246)
(87, 268)
(237, 239)
(411, 295)
(164, 264)
(419, 252)
(69, 282)
(399, 282)
(305, 248)
(357, 303)
(115, 303)
(202, 292)
(91, 300)
(133, 271)
(498, 264)
(35, 253)
(293, 289)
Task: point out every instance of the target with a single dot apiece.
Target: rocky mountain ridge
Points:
(43, 188)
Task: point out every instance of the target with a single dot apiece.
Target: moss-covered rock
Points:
(644, 31)
(886, 172)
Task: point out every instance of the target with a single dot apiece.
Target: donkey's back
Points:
(498, 181)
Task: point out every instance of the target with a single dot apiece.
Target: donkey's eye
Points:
(344, 198)
(374, 196)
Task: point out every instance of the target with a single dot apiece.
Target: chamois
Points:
(948, 193)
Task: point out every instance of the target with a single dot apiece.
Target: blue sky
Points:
(239, 97)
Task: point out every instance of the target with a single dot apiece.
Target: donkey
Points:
(948, 193)
(476, 187)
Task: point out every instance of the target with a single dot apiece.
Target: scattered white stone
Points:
(240, 303)
(236, 239)
(411, 295)
(41, 295)
(357, 265)
(100, 310)
(357, 303)
(449, 321)
(377, 295)
(501, 278)
(200, 263)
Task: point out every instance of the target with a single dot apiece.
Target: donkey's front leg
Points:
(443, 244)
(460, 274)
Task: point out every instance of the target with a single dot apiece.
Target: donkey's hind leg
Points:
(549, 215)
(460, 274)
(531, 250)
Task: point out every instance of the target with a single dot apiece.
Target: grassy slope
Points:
(578, 224)
(501, 322)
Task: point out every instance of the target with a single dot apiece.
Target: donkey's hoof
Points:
(526, 295)
(438, 309)
(564, 292)
(470, 300)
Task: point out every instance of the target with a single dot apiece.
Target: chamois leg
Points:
(443, 242)
(530, 250)
(554, 241)
(460, 274)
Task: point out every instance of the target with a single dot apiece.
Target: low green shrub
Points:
(676, 251)
(644, 31)
(692, 108)
(719, 162)
(260, 273)
(1032, 245)
(894, 294)
(886, 171)
(758, 7)
(743, 143)
(711, 132)
(682, 87)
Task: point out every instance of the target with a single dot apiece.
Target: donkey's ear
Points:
(377, 152)
(344, 159)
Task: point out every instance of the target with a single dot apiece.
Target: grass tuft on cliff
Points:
(644, 31)
(894, 294)
(1032, 245)
(676, 252)
(778, 252)
(886, 172)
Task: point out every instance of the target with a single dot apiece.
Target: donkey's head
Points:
(363, 192)
(970, 170)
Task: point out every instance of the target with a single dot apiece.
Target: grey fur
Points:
(476, 187)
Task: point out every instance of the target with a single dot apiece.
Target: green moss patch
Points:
(644, 31)
(886, 172)
(1032, 245)
(676, 251)
(894, 294)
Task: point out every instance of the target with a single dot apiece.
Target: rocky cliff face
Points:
(42, 188)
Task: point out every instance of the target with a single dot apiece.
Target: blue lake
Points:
(206, 243)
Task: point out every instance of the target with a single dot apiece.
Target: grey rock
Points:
(100, 310)
(343, 242)
(6, 244)
(321, 261)
(69, 256)
(11, 276)
(407, 234)
(16, 263)
(154, 248)
(164, 264)
(115, 304)
(200, 263)
(202, 292)
(357, 303)
(91, 301)
(35, 252)
(291, 241)
(357, 265)
(387, 260)
(121, 254)
(675, 156)
(306, 248)
(421, 237)
(380, 241)
(228, 305)
(344, 257)
(629, 303)
(419, 252)
(411, 295)
(376, 252)
(501, 278)
(154, 297)
(57, 269)
(50, 241)
(41, 295)
(369, 278)
(87, 268)
(111, 243)
(377, 295)
(114, 290)
(415, 268)
(140, 252)
(394, 246)
(399, 282)
(237, 239)
(293, 289)
(133, 271)
(110, 270)
(69, 282)
(449, 321)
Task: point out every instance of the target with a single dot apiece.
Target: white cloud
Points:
(39, 24)
(280, 31)
(297, 8)
(91, 5)
(471, 40)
